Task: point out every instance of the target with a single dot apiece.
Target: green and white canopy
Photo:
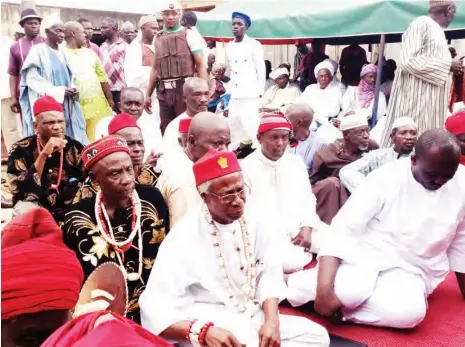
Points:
(284, 21)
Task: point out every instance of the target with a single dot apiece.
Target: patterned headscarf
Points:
(366, 91)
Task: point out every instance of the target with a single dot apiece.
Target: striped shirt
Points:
(354, 173)
(113, 57)
(423, 79)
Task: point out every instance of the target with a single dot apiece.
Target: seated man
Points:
(176, 182)
(224, 284)
(132, 102)
(279, 184)
(403, 137)
(396, 239)
(455, 124)
(103, 329)
(45, 169)
(282, 94)
(196, 94)
(125, 125)
(124, 223)
(330, 193)
(41, 279)
(308, 142)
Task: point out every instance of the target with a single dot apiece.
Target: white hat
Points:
(127, 26)
(325, 64)
(147, 19)
(403, 121)
(50, 21)
(353, 121)
(170, 5)
(279, 72)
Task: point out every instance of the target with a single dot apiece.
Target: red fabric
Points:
(455, 124)
(122, 121)
(39, 273)
(46, 103)
(442, 327)
(270, 121)
(116, 332)
(184, 125)
(462, 159)
(99, 149)
(215, 164)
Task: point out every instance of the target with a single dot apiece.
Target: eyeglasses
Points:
(229, 198)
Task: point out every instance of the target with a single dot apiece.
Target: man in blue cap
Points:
(247, 71)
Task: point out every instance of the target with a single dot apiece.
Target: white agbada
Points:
(397, 241)
(186, 283)
(177, 184)
(137, 75)
(171, 135)
(247, 71)
(149, 126)
(280, 98)
(283, 189)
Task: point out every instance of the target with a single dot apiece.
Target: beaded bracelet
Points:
(203, 333)
(189, 330)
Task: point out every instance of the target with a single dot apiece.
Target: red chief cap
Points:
(455, 124)
(39, 272)
(99, 149)
(46, 103)
(270, 121)
(122, 121)
(215, 164)
(184, 125)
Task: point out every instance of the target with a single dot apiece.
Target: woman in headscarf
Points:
(362, 97)
(325, 96)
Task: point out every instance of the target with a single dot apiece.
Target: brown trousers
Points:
(171, 103)
(330, 195)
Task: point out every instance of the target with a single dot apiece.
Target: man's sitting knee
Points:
(404, 316)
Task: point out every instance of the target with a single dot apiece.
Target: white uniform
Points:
(247, 72)
(397, 241)
(186, 283)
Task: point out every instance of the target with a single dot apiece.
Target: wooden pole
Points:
(374, 115)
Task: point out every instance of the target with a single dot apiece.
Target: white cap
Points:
(50, 21)
(403, 121)
(147, 19)
(278, 72)
(170, 5)
(353, 121)
(127, 26)
(325, 64)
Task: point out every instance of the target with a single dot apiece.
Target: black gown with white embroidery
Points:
(81, 234)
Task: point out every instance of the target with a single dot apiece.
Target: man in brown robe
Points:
(329, 191)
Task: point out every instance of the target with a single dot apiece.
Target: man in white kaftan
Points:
(396, 239)
(282, 94)
(423, 80)
(224, 272)
(403, 138)
(196, 94)
(247, 71)
(176, 182)
(139, 60)
(132, 102)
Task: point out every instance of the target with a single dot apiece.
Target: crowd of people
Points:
(215, 188)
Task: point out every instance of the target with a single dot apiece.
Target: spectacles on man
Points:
(229, 198)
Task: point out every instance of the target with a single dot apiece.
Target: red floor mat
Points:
(444, 325)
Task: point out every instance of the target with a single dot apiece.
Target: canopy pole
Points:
(374, 116)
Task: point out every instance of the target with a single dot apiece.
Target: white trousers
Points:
(243, 120)
(392, 298)
(12, 128)
(295, 331)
